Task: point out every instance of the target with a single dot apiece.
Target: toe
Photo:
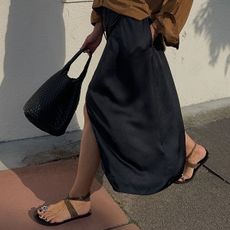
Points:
(44, 215)
(50, 218)
(41, 217)
(48, 215)
(55, 219)
(182, 178)
(42, 209)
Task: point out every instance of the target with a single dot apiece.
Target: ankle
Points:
(200, 149)
(198, 153)
(84, 196)
(189, 147)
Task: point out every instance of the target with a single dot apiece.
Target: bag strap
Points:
(70, 62)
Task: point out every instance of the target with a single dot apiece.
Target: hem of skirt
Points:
(135, 192)
(144, 191)
(125, 189)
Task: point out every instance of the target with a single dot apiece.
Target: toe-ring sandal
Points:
(72, 211)
(191, 165)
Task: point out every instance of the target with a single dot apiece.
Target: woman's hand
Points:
(93, 40)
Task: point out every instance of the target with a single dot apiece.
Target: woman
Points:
(133, 121)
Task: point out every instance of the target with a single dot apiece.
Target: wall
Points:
(201, 66)
(38, 37)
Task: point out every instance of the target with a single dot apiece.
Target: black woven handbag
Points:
(53, 105)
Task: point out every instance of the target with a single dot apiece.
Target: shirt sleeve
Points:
(95, 17)
(170, 20)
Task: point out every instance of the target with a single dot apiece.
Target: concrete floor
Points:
(204, 203)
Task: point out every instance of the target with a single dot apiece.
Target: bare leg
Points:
(198, 154)
(89, 160)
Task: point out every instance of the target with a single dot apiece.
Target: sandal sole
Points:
(43, 222)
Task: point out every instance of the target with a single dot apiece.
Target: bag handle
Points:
(70, 62)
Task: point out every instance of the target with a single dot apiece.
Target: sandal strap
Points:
(191, 165)
(191, 151)
(71, 209)
(83, 197)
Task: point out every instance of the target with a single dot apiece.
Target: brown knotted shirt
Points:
(169, 16)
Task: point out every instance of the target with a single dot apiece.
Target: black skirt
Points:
(134, 109)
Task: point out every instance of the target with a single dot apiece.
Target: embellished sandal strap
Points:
(71, 209)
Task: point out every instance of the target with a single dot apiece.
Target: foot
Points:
(194, 155)
(58, 212)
